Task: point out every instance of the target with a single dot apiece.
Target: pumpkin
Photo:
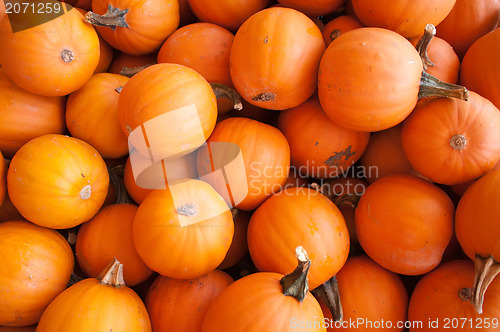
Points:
(338, 26)
(285, 304)
(2, 10)
(239, 246)
(319, 148)
(185, 13)
(129, 65)
(57, 181)
(8, 211)
(91, 115)
(104, 304)
(369, 293)
(229, 14)
(468, 21)
(285, 40)
(442, 301)
(478, 232)
(84, 4)
(452, 141)
(420, 213)
(252, 174)
(315, 7)
(31, 328)
(136, 192)
(36, 266)
(188, 214)
(407, 18)
(106, 53)
(299, 215)
(295, 179)
(3, 178)
(480, 69)
(180, 305)
(134, 27)
(54, 58)
(109, 235)
(24, 115)
(358, 72)
(169, 106)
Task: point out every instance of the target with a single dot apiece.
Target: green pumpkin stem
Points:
(113, 275)
(423, 45)
(131, 71)
(431, 86)
(329, 294)
(112, 19)
(295, 284)
(486, 270)
(223, 91)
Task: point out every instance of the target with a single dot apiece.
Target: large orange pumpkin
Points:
(104, 304)
(54, 58)
(57, 181)
(189, 214)
(275, 58)
(180, 305)
(404, 223)
(135, 27)
(36, 266)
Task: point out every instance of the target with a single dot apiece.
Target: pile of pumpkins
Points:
(249, 165)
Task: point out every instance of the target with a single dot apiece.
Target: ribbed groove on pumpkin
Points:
(486, 270)
(264, 96)
(113, 275)
(86, 192)
(112, 19)
(187, 210)
(131, 71)
(67, 55)
(295, 284)
(423, 45)
(329, 293)
(223, 91)
(458, 142)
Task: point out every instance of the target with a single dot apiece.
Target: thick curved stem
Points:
(112, 19)
(223, 91)
(295, 284)
(486, 270)
(423, 45)
(329, 294)
(431, 86)
(113, 275)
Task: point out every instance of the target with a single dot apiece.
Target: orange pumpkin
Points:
(421, 215)
(169, 109)
(51, 59)
(3, 178)
(468, 21)
(2, 10)
(441, 301)
(8, 211)
(293, 216)
(92, 115)
(180, 305)
(36, 266)
(239, 246)
(478, 232)
(452, 141)
(129, 65)
(185, 13)
(104, 304)
(284, 303)
(229, 14)
(255, 174)
(189, 214)
(319, 148)
(135, 27)
(338, 26)
(314, 7)
(285, 40)
(106, 53)
(408, 18)
(57, 181)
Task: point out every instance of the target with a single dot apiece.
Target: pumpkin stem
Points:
(465, 294)
(86, 192)
(318, 188)
(121, 194)
(486, 270)
(119, 89)
(264, 96)
(131, 71)
(187, 210)
(334, 34)
(113, 275)
(223, 91)
(67, 55)
(74, 279)
(295, 284)
(423, 45)
(351, 198)
(431, 86)
(330, 295)
(112, 19)
(234, 212)
(458, 142)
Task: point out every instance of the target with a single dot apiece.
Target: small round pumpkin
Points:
(36, 266)
(57, 181)
(338, 26)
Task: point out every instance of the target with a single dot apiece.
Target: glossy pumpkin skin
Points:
(480, 70)
(239, 245)
(92, 115)
(150, 22)
(203, 47)
(429, 133)
(57, 181)
(418, 211)
(36, 57)
(234, 310)
(436, 297)
(229, 14)
(162, 230)
(161, 90)
(37, 265)
(407, 18)
(299, 216)
(123, 62)
(263, 170)
(180, 305)
(319, 148)
(357, 72)
(313, 8)
(288, 42)
(109, 235)
(480, 235)
(468, 21)
(369, 292)
(338, 26)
